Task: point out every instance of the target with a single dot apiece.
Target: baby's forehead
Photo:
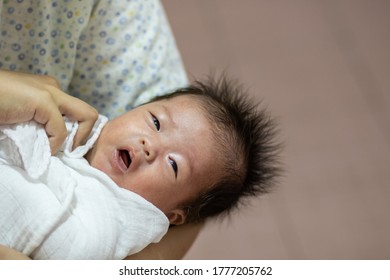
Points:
(185, 97)
(181, 103)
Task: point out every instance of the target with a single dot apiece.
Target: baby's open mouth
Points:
(125, 156)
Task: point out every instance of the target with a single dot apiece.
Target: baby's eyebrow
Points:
(168, 113)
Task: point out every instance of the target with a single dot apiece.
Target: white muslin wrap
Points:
(59, 207)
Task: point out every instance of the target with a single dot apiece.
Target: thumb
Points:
(77, 110)
(54, 124)
(57, 133)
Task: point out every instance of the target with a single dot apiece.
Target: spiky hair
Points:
(246, 136)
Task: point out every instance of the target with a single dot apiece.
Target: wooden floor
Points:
(323, 68)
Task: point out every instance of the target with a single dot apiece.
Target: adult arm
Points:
(173, 246)
(11, 254)
(27, 97)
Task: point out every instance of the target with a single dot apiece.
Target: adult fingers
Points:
(85, 127)
(77, 110)
(56, 131)
(27, 97)
(49, 115)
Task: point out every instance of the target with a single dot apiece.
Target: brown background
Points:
(323, 68)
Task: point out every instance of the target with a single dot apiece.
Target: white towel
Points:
(62, 208)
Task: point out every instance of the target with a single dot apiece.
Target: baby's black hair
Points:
(246, 138)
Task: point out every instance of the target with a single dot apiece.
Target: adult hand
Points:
(11, 254)
(173, 246)
(25, 97)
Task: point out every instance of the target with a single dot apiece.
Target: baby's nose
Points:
(149, 150)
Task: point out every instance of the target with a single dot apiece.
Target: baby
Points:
(179, 159)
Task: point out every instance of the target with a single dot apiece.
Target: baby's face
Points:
(162, 151)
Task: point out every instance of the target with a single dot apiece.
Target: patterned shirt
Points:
(112, 54)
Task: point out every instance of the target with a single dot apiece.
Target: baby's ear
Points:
(176, 217)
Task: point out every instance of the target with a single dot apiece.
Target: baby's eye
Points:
(174, 166)
(156, 123)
